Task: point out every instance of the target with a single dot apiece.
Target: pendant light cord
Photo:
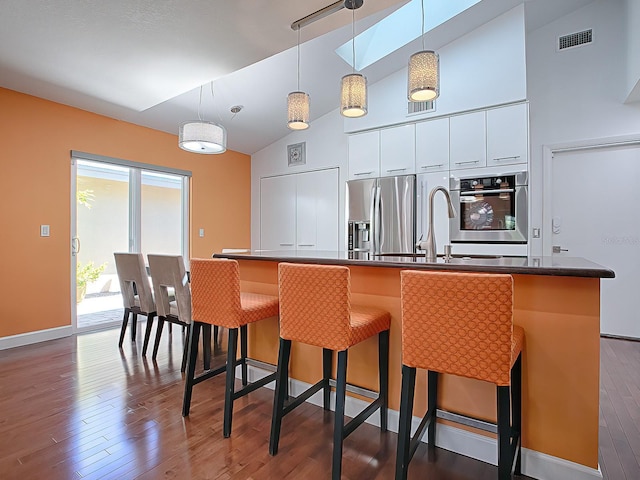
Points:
(353, 38)
(422, 3)
(298, 58)
(200, 104)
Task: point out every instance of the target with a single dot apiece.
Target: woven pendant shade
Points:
(353, 98)
(298, 110)
(424, 76)
(202, 137)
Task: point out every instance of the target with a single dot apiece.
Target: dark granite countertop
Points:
(556, 266)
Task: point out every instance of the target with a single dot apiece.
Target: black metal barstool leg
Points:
(282, 378)
(243, 354)
(230, 381)
(404, 428)
(432, 406)
(516, 413)
(326, 375)
(206, 346)
(191, 370)
(504, 434)
(338, 428)
(156, 344)
(383, 372)
(125, 321)
(185, 348)
(147, 333)
(134, 326)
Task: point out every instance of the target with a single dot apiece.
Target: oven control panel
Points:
(486, 183)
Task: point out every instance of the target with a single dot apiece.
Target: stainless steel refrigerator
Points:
(380, 214)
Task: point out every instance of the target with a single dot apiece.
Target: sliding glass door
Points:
(120, 206)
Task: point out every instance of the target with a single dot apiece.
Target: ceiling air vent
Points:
(414, 108)
(575, 39)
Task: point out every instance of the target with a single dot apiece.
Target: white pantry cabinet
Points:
(364, 155)
(397, 150)
(299, 211)
(467, 141)
(432, 146)
(508, 135)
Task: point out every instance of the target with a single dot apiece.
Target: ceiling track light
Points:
(325, 12)
(200, 136)
(423, 82)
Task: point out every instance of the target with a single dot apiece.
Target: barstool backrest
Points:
(215, 291)
(168, 272)
(458, 323)
(315, 304)
(131, 270)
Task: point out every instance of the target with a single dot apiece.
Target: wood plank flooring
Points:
(79, 408)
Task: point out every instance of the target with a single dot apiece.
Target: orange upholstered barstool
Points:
(216, 300)
(316, 309)
(461, 324)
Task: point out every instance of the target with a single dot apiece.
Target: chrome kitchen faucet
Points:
(429, 245)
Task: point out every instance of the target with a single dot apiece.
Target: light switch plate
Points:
(201, 232)
(536, 233)
(44, 230)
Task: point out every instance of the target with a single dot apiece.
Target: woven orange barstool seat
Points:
(217, 300)
(316, 309)
(461, 324)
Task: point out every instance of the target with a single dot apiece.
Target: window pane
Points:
(161, 217)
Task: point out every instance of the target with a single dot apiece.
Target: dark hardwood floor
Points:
(80, 408)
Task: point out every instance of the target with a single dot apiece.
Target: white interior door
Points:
(595, 214)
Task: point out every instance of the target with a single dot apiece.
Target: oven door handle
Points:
(482, 192)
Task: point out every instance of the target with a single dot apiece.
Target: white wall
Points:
(633, 50)
(576, 95)
(326, 147)
(483, 68)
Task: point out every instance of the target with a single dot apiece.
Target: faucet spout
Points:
(429, 245)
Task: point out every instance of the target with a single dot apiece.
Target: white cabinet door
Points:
(467, 145)
(426, 183)
(397, 150)
(317, 210)
(278, 213)
(432, 146)
(507, 135)
(364, 155)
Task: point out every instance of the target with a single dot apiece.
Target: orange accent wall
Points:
(561, 356)
(37, 137)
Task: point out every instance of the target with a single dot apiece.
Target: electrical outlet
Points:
(536, 233)
(44, 230)
(201, 232)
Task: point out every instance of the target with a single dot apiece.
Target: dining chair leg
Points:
(403, 455)
(230, 381)
(282, 378)
(338, 429)
(432, 406)
(383, 372)
(156, 344)
(191, 368)
(134, 326)
(327, 355)
(243, 354)
(504, 433)
(147, 333)
(123, 329)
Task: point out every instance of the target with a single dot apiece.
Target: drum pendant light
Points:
(200, 136)
(424, 73)
(298, 103)
(353, 97)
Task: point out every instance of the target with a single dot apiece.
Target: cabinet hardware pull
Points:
(488, 192)
(286, 244)
(500, 159)
(396, 170)
(362, 173)
(306, 245)
(433, 166)
(467, 162)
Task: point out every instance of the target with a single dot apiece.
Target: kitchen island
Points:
(556, 301)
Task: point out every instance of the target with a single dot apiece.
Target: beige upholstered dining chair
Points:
(173, 300)
(136, 294)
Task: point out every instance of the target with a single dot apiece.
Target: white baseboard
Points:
(534, 464)
(35, 337)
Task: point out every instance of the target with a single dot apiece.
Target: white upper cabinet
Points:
(507, 135)
(364, 155)
(397, 150)
(432, 146)
(467, 141)
(278, 213)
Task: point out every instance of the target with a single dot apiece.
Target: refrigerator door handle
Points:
(372, 218)
(379, 232)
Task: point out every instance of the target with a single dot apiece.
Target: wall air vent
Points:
(414, 108)
(575, 39)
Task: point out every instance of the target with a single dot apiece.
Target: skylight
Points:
(399, 28)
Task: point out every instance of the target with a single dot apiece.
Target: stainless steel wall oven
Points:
(490, 209)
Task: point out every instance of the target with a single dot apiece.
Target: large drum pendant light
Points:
(298, 103)
(353, 97)
(424, 73)
(200, 136)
